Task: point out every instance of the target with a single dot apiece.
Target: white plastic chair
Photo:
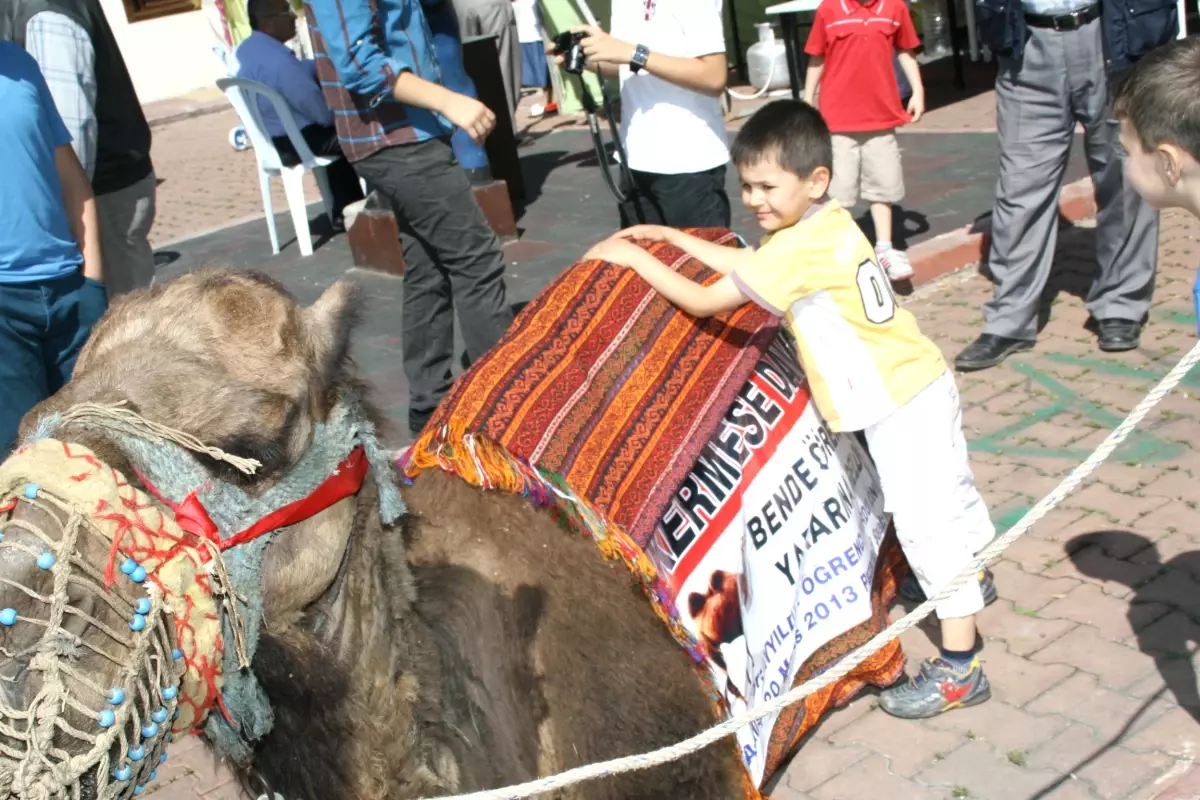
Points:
(243, 94)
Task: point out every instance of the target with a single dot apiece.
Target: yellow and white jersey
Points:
(864, 355)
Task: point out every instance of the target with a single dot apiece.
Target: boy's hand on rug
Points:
(616, 250)
(650, 233)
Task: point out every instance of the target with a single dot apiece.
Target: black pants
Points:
(452, 257)
(688, 200)
(343, 181)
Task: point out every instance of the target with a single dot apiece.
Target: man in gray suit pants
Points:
(1057, 58)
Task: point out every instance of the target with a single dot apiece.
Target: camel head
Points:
(232, 360)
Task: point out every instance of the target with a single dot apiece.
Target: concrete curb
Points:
(164, 112)
(968, 245)
(931, 259)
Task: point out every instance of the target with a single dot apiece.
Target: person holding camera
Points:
(670, 58)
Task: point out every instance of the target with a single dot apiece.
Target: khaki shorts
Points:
(870, 161)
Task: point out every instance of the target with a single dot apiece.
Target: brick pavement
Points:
(206, 185)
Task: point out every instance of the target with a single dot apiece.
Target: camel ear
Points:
(329, 322)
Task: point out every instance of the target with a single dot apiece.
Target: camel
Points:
(472, 645)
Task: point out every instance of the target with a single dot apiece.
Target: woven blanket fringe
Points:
(484, 463)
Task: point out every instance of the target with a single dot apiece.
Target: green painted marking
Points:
(1179, 317)
(1003, 520)
(1192, 379)
(1138, 448)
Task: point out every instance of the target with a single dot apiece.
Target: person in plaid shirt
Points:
(379, 73)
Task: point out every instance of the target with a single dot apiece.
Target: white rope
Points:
(998, 545)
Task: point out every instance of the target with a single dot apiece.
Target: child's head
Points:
(1158, 105)
(784, 156)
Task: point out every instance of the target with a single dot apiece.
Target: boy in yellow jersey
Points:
(869, 368)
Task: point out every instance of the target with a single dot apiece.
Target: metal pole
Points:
(739, 58)
(787, 22)
(586, 11)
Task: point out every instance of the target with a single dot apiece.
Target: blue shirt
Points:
(1196, 300)
(269, 61)
(362, 47)
(36, 243)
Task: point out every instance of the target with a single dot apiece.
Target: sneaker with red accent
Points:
(895, 263)
(939, 687)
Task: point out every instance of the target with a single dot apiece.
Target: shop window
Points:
(141, 10)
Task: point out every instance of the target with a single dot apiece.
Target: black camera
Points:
(567, 44)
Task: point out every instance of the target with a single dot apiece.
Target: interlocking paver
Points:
(907, 747)
(1083, 700)
(872, 777)
(818, 761)
(1032, 592)
(1002, 725)
(1021, 628)
(1084, 647)
(1117, 577)
(1108, 769)
(1089, 605)
(1116, 772)
(203, 182)
(1175, 733)
(983, 772)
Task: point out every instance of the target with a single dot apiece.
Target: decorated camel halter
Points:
(180, 587)
(155, 572)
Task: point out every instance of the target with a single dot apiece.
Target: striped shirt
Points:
(64, 53)
(361, 48)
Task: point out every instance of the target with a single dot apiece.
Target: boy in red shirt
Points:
(851, 50)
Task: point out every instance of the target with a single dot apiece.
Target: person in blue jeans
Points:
(51, 277)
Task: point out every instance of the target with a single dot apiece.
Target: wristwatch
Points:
(638, 62)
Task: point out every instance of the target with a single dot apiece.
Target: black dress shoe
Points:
(1117, 335)
(988, 351)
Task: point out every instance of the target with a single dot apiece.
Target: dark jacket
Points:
(1132, 28)
(122, 133)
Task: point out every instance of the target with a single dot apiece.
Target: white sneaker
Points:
(895, 263)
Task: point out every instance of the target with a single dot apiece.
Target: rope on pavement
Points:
(852, 660)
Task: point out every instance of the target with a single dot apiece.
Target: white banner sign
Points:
(770, 543)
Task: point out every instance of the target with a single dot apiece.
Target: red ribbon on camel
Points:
(346, 480)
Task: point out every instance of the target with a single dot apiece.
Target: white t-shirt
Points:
(667, 129)
(529, 20)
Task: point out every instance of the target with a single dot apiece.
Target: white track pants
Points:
(941, 521)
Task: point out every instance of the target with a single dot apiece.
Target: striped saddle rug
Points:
(597, 404)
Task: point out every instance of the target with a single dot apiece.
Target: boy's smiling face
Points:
(777, 196)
